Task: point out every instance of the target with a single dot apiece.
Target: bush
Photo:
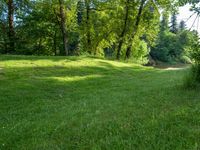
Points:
(185, 59)
(167, 47)
(192, 80)
(196, 53)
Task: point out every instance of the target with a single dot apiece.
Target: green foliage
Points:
(96, 27)
(93, 26)
(185, 59)
(192, 79)
(195, 51)
(166, 48)
(182, 25)
(174, 45)
(174, 23)
(140, 51)
(164, 25)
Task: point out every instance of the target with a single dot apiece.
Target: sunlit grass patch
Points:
(74, 78)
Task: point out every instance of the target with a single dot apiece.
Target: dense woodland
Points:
(119, 29)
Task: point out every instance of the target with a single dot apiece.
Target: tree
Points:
(136, 25)
(124, 28)
(80, 12)
(174, 24)
(63, 26)
(3, 28)
(144, 5)
(193, 80)
(70, 27)
(88, 34)
(164, 25)
(11, 31)
(182, 25)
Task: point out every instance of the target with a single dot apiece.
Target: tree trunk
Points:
(88, 34)
(3, 27)
(11, 32)
(63, 27)
(39, 47)
(55, 43)
(137, 22)
(121, 37)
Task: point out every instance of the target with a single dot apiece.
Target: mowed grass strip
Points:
(89, 103)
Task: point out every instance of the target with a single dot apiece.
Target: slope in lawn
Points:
(90, 103)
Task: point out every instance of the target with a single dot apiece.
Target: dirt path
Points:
(172, 67)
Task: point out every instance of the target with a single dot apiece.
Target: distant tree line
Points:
(121, 29)
(174, 42)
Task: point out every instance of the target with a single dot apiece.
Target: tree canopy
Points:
(111, 28)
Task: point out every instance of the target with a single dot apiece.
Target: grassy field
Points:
(52, 103)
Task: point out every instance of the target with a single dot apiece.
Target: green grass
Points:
(50, 103)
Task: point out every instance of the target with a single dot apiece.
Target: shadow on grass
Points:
(36, 58)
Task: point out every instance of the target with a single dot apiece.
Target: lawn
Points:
(52, 103)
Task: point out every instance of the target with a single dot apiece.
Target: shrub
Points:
(185, 59)
(192, 80)
(196, 53)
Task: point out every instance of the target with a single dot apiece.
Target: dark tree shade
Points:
(11, 32)
(182, 25)
(174, 24)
